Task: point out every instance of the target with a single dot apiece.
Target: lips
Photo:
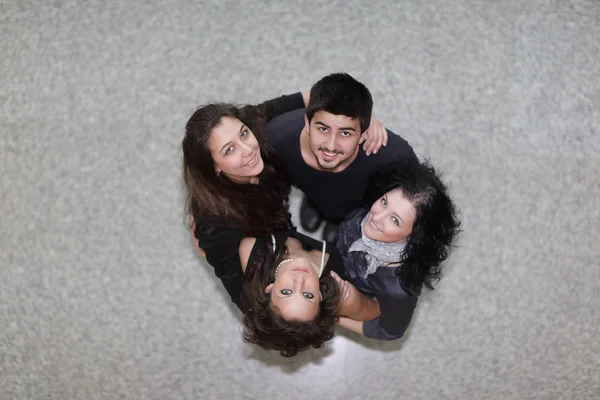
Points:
(252, 161)
(373, 225)
(329, 155)
(300, 269)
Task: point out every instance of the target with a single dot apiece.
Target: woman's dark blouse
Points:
(397, 306)
(219, 239)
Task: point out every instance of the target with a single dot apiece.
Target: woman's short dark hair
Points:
(256, 209)
(264, 326)
(436, 223)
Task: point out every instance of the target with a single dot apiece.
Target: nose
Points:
(298, 281)
(247, 148)
(331, 142)
(377, 217)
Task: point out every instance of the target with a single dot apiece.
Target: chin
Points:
(328, 165)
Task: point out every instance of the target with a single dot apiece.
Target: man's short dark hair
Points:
(341, 94)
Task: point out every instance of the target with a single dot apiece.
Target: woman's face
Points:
(235, 151)
(295, 292)
(391, 218)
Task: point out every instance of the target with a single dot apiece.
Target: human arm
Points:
(283, 104)
(194, 240)
(351, 324)
(220, 243)
(354, 304)
(396, 314)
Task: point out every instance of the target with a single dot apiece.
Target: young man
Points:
(319, 147)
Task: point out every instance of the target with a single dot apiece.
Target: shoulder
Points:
(392, 296)
(358, 213)
(286, 125)
(211, 225)
(394, 288)
(349, 230)
(397, 148)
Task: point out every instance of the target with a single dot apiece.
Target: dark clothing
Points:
(334, 194)
(397, 306)
(218, 238)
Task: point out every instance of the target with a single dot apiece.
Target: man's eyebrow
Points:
(322, 123)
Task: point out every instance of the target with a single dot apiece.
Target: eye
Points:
(308, 295)
(345, 134)
(322, 129)
(395, 221)
(244, 133)
(384, 202)
(286, 292)
(229, 150)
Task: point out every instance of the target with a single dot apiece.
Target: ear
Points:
(269, 288)
(306, 124)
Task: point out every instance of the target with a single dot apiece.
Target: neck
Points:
(244, 179)
(295, 250)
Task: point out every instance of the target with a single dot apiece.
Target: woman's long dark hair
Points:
(435, 226)
(255, 209)
(264, 326)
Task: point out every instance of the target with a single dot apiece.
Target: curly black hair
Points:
(264, 325)
(436, 223)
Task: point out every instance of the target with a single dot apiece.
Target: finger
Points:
(385, 140)
(378, 139)
(364, 137)
(368, 144)
(336, 277)
(378, 143)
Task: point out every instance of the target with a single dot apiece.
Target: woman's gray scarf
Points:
(377, 253)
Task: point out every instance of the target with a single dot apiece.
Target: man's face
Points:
(333, 140)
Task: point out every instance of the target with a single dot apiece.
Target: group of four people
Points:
(389, 221)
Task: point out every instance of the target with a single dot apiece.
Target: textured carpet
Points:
(101, 293)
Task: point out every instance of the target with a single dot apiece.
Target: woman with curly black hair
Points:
(394, 248)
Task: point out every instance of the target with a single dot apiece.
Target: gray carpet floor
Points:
(101, 293)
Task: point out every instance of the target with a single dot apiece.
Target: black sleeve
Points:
(280, 105)
(396, 314)
(221, 244)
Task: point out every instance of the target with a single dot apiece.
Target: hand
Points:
(194, 240)
(344, 287)
(374, 137)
